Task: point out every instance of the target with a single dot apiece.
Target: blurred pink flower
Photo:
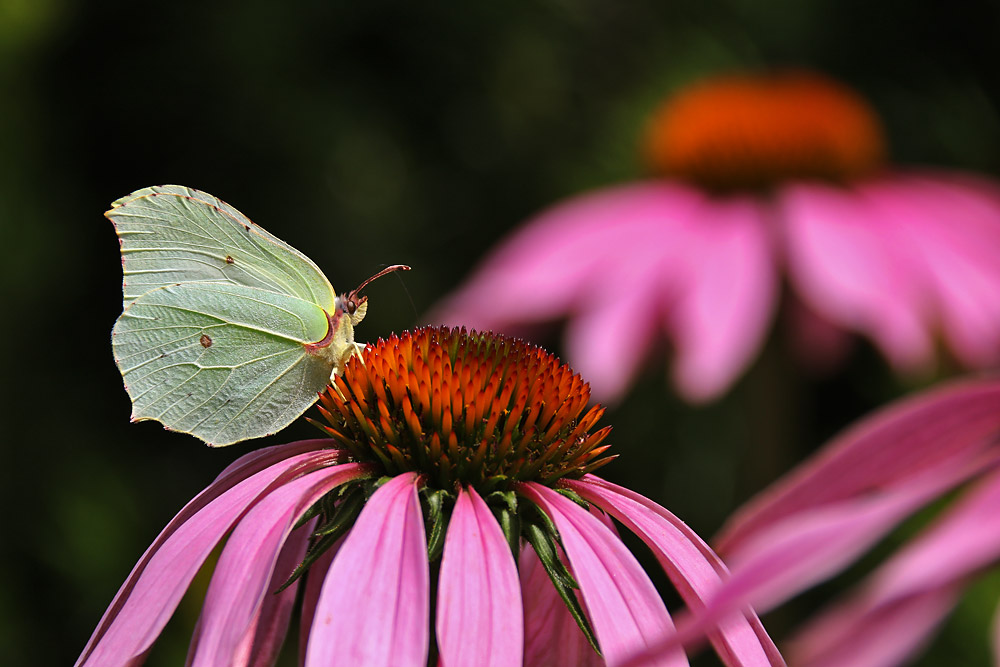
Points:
(761, 176)
(442, 444)
(830, 510)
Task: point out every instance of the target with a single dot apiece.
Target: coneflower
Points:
(452, 517)
(754, 177)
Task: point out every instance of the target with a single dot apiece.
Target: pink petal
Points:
(248, 563)
(932, 568)
(609, 340)
(806, 548)
(726, 300)
(551, 266)
(261, 647)
(149, 596)
(551, 636)
(479, 619)
(624, 607)
(965, 540)
(956, 421)
(844, 265)
(949, 233)
(373, 608)
(885, 638)
(691, 564)
(314, 583)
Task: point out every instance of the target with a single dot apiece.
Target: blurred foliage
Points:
(384, 132)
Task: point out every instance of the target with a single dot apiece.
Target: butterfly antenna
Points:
(386, 270)
(353, 299)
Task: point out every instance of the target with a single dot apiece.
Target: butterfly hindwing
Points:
(223, 362)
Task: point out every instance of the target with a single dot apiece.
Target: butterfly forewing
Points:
(175, 235)
(222, 362)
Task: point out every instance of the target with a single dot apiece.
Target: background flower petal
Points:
(373, 608)
(949, 232)
(550, 266)
(884, 639)
(149, 596)
(931, 568)
(248, 561)
(806, 548)
(955, 421)
(479, 619)
(725, 300)
(690, 563)
(846, 267)
(626, 611)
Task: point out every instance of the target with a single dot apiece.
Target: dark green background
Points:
(367, 133)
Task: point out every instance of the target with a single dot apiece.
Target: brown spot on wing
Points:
(205, 340)
(229, 259)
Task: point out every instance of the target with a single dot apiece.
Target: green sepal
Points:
(315, 510)
(510, 523)
(343, 515)
(574, 496)
(508, 498)
(545, 547)
(384, 479)
(327, 504)
(317, 549)
(342, 518)
(437, 522)
(550, 527)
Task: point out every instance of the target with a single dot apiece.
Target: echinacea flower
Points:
(455, 458)
(834, 507)
(758, 176)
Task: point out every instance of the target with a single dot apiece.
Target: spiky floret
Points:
(476, 409)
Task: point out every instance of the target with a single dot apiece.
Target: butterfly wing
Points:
(176, 235)
(225, 362)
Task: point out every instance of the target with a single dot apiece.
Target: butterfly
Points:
(227, 333)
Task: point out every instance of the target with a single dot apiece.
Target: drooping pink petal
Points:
(621, 262)
(479, 620)
(886, 638)
(551, 636)
(932, 567)
(963, 541)
(956, 421)
(690, 563)
(608, 339)
(846, 268)
(248, 563)
(550, 267)
(726, 300)
(261, 647)
(806, 548)
(314, 583)
(949, 233)
(152, 591)
(624, 607)
(374, 605)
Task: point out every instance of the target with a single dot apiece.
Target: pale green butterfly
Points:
(228, 333)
